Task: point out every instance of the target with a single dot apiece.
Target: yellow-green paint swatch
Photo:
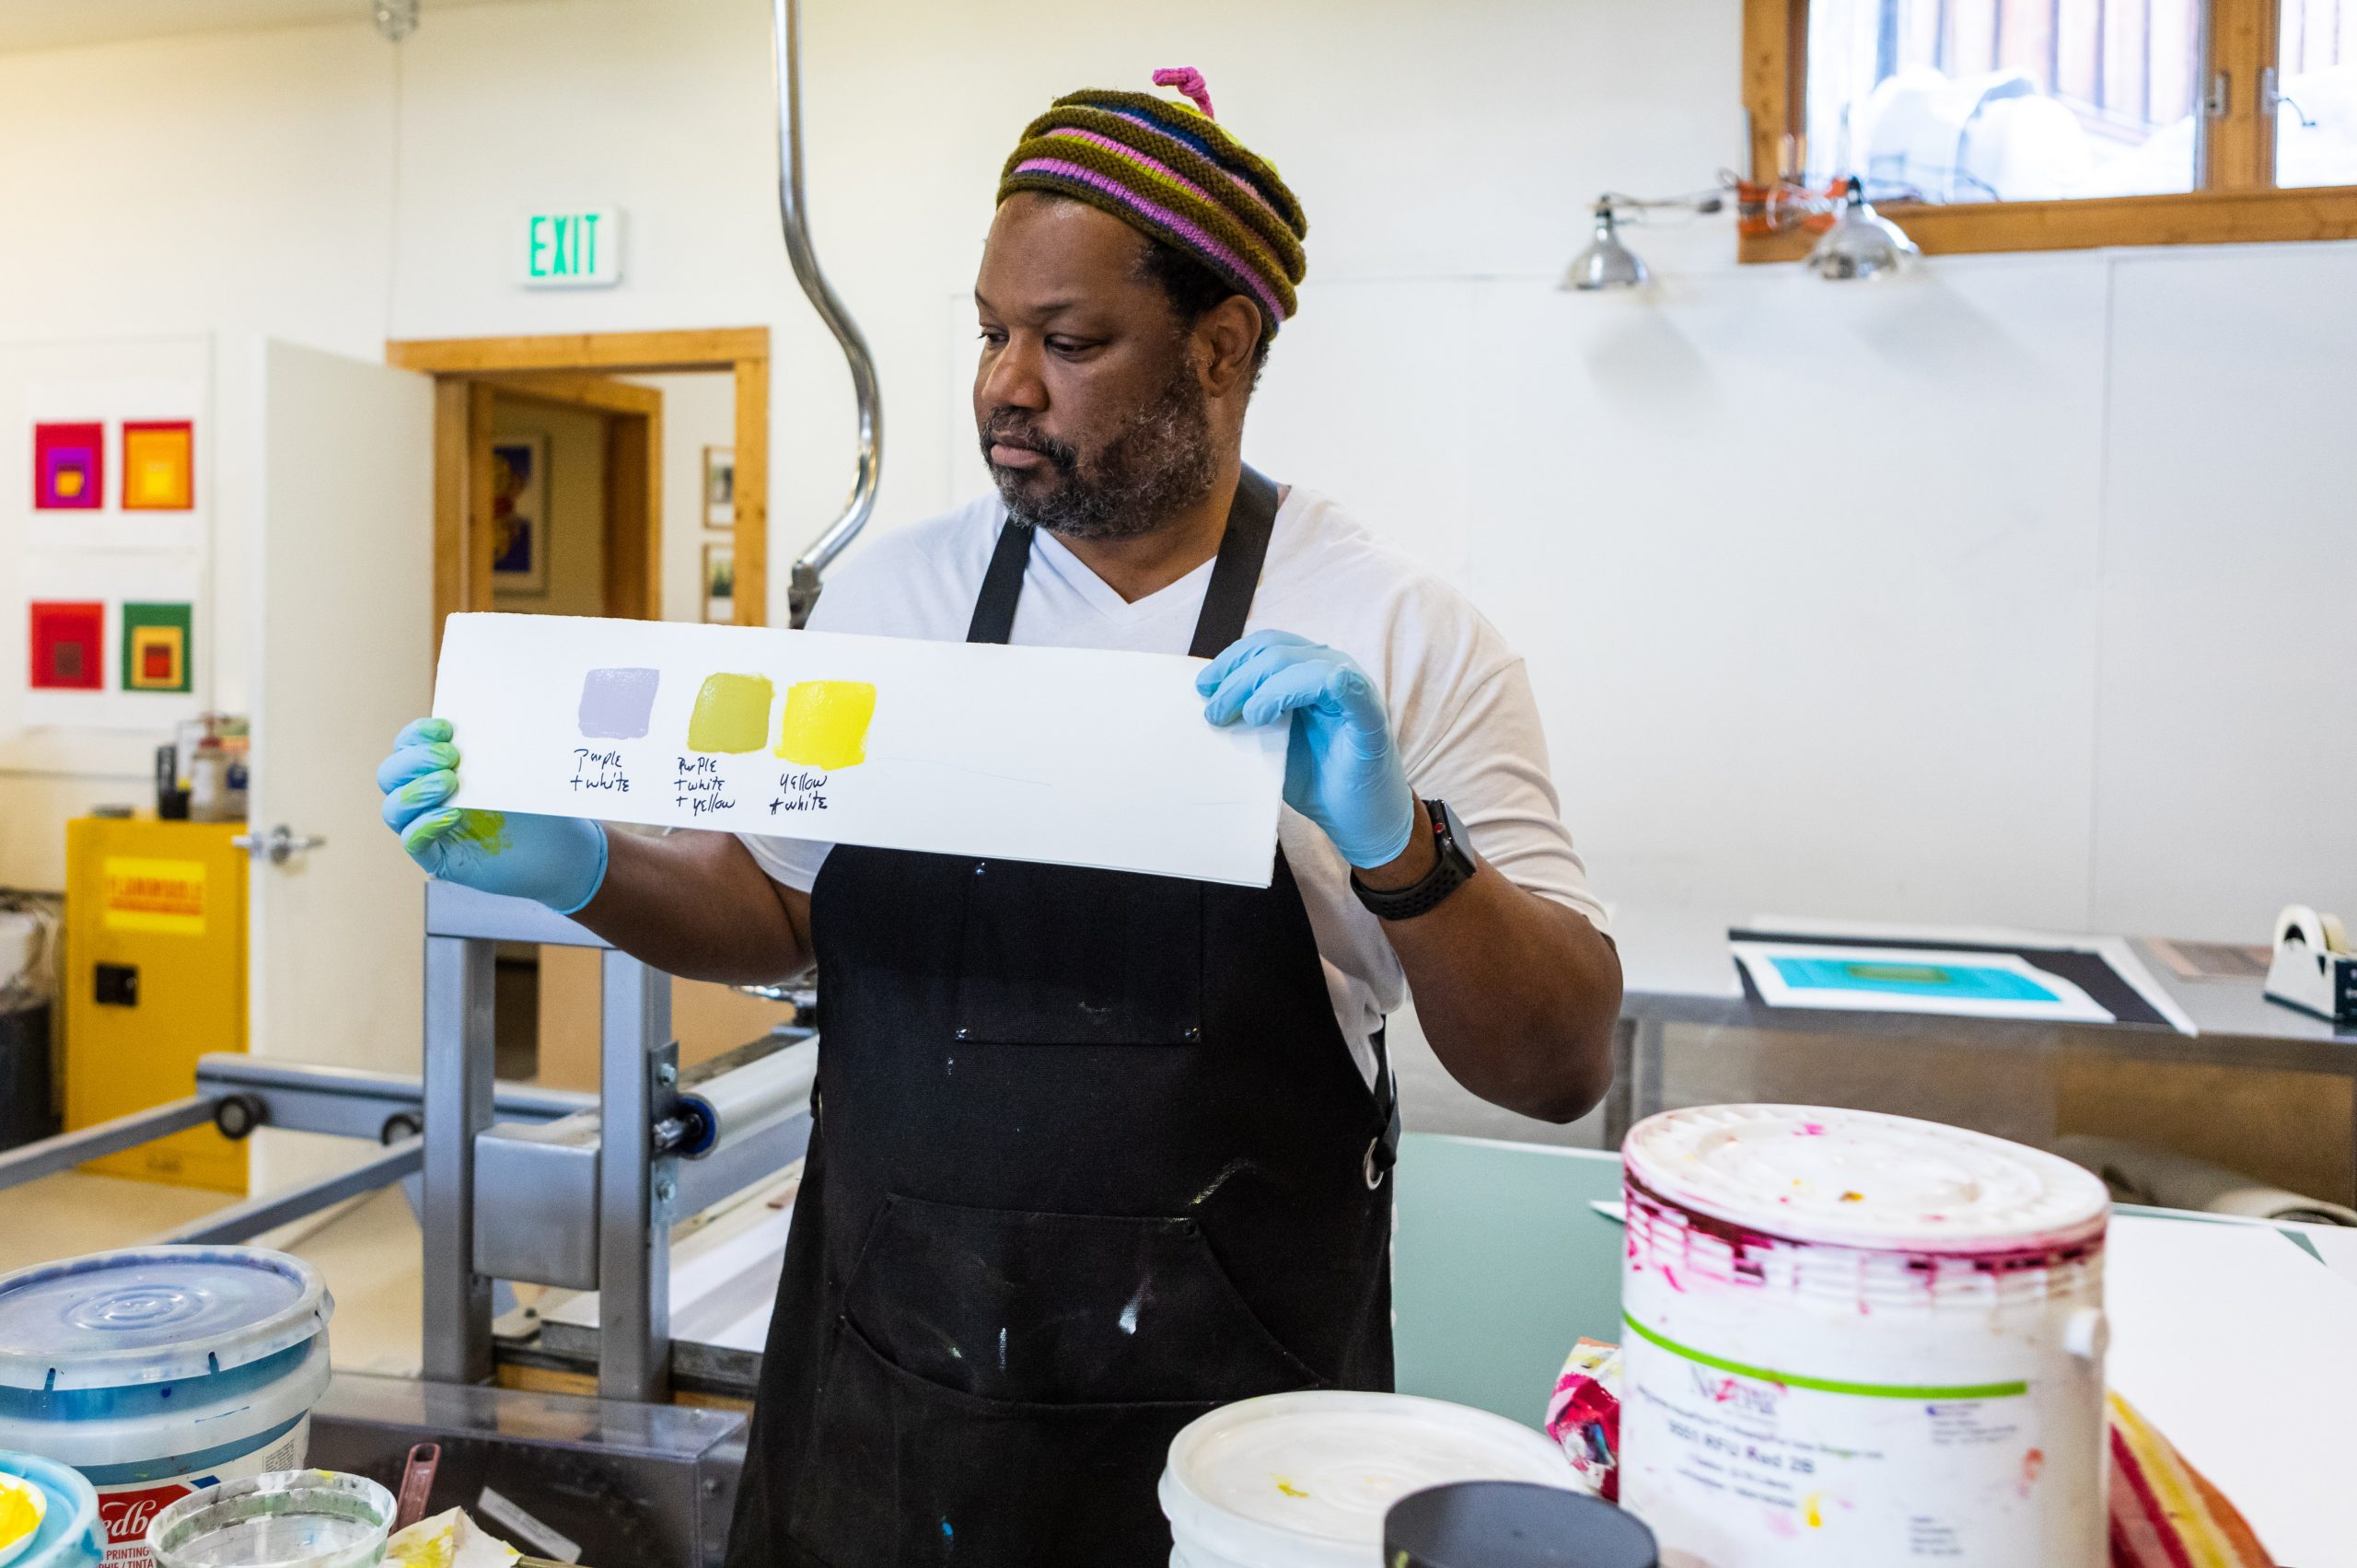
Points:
(731, 714)
(826, 723)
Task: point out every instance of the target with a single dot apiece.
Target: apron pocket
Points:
(1043, 1308)
(905, 1471)
(1125, 965)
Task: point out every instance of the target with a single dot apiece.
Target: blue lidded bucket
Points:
(159, 1370)
(69, 1536)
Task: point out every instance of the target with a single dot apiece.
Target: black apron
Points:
(1092, 1158)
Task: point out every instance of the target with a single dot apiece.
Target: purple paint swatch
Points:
(618, 704)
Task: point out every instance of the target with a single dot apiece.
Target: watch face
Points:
(1453, 829)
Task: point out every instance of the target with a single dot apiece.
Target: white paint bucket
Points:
(160, 1370)
(1858, 1341)
(1303, 1480)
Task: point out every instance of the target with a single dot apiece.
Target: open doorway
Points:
(620, 474)
(673, 426)
(576, 519)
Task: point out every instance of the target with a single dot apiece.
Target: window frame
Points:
(2238, 200)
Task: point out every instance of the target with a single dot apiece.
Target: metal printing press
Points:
(512, 1183)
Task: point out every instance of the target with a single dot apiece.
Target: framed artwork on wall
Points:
(719, 487)
(519, 514)
(720, 583)
(68, 646)
(156, 646)
(69, 467)
(158, 465)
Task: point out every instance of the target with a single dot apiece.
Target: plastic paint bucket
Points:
(1857, 1340)
(1304, 1480)
(288, 1519)
(69, 1536)
(162, 1370)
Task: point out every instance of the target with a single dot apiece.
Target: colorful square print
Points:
(68, 646)
(159, 466)
(69, 468)
(155, 647)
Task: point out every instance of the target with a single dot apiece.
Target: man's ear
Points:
(1228, 333)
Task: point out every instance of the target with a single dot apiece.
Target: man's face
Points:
(1091, 413)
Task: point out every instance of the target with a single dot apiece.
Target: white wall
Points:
(1976, 598)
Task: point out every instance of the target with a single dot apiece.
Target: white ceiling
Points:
(60, 24)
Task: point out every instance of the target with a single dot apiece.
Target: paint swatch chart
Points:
(1071, 756)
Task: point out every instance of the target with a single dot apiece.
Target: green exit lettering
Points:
(564, 249)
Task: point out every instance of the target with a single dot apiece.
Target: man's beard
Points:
(1154, 466)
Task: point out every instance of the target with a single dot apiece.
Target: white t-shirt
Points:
(1460, 699)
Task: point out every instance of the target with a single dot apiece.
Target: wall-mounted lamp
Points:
(1606, 263)
(1862, 243)
(1858, 242)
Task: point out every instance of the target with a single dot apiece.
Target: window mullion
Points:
(2239, 146)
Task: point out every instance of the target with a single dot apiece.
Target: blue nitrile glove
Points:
(1342, 769)
(560, 861)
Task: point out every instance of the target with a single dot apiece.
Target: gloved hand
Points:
(560, 861)
(1342, 769)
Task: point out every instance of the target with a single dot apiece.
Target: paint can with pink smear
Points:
(1859, 1341)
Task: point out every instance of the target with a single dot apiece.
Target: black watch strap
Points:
(1452, 869)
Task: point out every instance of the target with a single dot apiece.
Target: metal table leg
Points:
(639, 1066)
(1619, 1098)
(458, 1105)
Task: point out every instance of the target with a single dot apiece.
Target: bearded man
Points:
(1097, 1152)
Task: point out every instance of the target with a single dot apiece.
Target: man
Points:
(1097, 1152)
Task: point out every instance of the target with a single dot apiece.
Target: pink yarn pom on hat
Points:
(1188, 80)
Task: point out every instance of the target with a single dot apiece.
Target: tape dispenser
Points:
(2314, 969)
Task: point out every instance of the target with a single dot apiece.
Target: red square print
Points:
(69, 468)
(68, 646)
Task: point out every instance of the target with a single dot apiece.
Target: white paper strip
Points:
(1913, 980)
(1078, 757)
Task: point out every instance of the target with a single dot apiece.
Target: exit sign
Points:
(571, 249)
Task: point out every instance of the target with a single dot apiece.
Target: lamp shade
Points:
(1862, 243)
(1606, 263)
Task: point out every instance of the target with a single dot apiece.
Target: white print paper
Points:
(2242, 1349)
(1913, 980)
(1076, 757)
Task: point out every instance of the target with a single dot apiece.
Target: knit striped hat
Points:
(1167, 170)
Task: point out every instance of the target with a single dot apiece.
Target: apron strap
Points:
(1384, 1152)
(1252, 517)
(1001, 584)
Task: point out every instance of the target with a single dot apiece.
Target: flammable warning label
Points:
(153, 895)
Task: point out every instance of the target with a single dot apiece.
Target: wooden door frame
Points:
(471, 372)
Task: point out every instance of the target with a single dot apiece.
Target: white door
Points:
(342, 598)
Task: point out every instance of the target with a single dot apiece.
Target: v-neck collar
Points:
(1185, 594)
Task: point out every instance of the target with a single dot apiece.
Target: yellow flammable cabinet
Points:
(155, 978)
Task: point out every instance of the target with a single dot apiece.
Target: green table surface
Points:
(1500, 1266)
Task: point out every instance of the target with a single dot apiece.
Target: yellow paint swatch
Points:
(731, 714)
(826, 723)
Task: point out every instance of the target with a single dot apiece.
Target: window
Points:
(2315, 93)
(2040, 124)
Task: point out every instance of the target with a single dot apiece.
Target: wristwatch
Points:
(1451, 871)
